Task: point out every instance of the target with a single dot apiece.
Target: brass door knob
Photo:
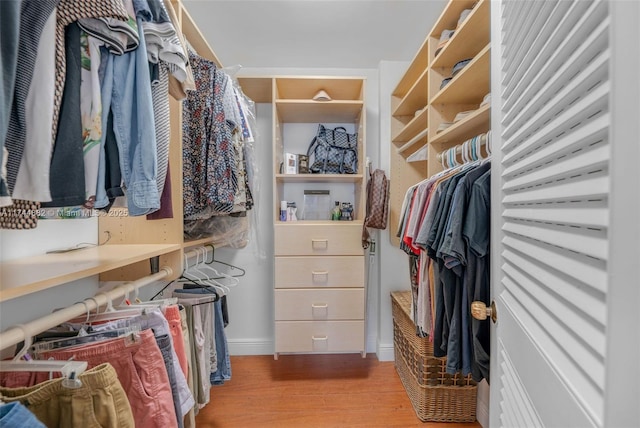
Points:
(481, 312)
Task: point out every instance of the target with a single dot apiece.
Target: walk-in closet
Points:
(305, 213)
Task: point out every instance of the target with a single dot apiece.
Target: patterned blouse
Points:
(210, 172)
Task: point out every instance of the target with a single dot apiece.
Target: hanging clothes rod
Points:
(15, 335)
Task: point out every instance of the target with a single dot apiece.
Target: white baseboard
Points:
(250, 347)
(385, 352)
(482, 415)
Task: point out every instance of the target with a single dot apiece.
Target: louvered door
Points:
(552, 209)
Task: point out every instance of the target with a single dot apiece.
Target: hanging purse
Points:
(377, 204)
(333, 151)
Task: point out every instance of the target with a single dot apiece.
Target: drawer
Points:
(339, 239)
(311, 305)
(330, 271)
(319, 336)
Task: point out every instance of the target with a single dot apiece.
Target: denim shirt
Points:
(126, 90)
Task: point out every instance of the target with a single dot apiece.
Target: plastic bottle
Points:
(335, 212)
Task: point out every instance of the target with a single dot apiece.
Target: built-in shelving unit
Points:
(420, 106)
(319, 263)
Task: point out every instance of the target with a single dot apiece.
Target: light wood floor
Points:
(306, 391)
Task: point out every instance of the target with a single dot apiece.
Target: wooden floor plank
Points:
(312, 391)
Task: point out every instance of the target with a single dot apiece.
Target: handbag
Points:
(333, 151)
(377, 204)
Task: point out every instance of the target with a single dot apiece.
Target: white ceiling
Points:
(314, 33)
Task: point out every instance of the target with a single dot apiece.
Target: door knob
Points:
(480, 311)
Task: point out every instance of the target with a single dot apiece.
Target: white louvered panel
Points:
(516, 405)
(546, 22)
(588, 217)
(558, 119)
(578, 295)
(573, 327)
(589, 187)
(524, 36)
(555, 159)
(537, 67)
(569, 238)
(593, 158)
(586, 270)
(575, 79)
(593, 132)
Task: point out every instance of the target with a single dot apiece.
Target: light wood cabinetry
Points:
(131, 241)
(419, 105)
(319, 263)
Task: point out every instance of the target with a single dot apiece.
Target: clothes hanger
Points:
(69, 369)
(213, 260)
(188, 274)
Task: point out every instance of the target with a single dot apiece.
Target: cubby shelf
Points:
(415, 99)
(474, 124)
(309, 111)
(417, 125)
(470, 38)
(31, 274)
(470, 85)
(419, 139)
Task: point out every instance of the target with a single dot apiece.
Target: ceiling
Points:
(314, 33)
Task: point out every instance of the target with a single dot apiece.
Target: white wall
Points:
(394, 264)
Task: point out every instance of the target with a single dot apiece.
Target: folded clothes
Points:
(444, 39)
(459, 66)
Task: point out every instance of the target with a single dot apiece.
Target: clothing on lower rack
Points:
(100, 402)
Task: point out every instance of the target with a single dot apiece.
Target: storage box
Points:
(316, 205)
(435, 395)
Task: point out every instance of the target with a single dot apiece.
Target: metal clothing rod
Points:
(15, 335)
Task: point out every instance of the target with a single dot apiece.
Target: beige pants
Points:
(99, 402)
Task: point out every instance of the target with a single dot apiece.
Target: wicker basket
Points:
(435, 394)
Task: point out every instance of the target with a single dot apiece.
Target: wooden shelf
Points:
(31, 274)
(474, 124)
(259, 89)
(416, 69)
(449, 17)
(415, 99)
(304, 88)
(309, 111)
(468, 40)
(470, 85)
(319, 178)
(417, 125)
(421, 139)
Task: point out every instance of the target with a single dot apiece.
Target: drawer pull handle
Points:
(321, 273)
(319, 338)
(319, 244)
(319, 305)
